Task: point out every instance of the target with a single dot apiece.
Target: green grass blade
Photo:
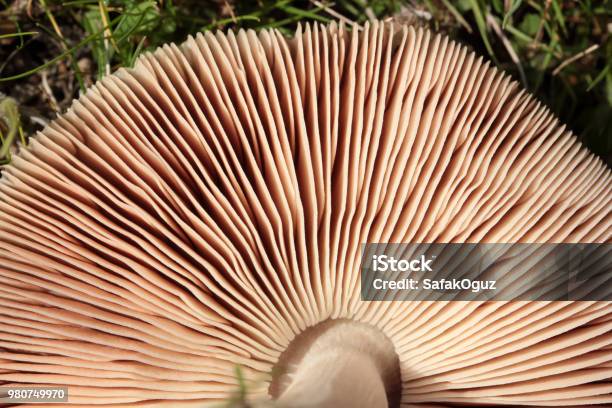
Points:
(559, 16)
(453, 10)
(61, 56)
(599, 78)
(514, 5)
(482, 27)
(21, 34)
(304, 14)
(10, 113)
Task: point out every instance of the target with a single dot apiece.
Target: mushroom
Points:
(204, 210)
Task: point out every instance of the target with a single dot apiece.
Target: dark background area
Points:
(50, 51)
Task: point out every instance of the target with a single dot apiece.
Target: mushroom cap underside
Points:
(201, 210)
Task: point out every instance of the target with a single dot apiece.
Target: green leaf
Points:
(498, 6)
(463, 5)
(9, 112)
(530, 24)
(137, 18)
(92, 22)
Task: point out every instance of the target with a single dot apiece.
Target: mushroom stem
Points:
(349, 365)
(338, 378)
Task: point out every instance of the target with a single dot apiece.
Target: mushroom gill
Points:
(205, 209)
